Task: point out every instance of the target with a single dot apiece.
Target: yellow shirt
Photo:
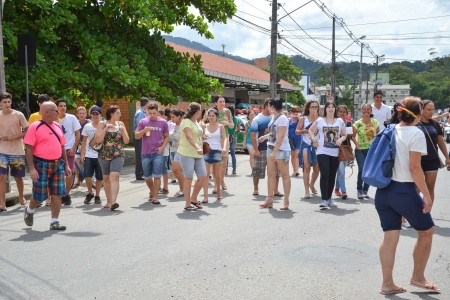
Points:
(34, 117)
(185, 148)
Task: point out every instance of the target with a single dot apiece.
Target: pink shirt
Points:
(45, 143)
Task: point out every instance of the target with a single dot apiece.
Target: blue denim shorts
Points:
(281, 154)
(213, 157)
(152, 164)
(16, 164)
(91, 166)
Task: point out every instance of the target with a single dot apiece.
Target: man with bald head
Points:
(47, 163)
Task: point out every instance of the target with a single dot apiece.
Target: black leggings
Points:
(328, 166)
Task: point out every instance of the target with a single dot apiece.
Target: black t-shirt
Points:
(433, 129)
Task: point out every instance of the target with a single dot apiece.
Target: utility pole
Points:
(360, 78)
(273, 51)
(223, 50)
(2, 64)
(333, 62)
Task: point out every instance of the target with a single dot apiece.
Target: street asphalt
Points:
(232, 249)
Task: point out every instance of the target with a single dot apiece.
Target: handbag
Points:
(206, 148)
(346, 153)
(96, 146)
(441, 163)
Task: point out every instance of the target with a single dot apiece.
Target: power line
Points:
(253, 24)
(245, 13)
(249, 27)
(256, 8)
(307, 42)
(388, 58)
(397, 21)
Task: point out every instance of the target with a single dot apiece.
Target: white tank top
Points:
(305, 137)
(213, 138)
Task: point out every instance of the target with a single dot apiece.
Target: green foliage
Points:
(290, 73)
(94, 49)
(347, 96)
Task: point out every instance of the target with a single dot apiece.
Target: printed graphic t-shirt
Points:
(329, 133)
(158, 128)
(274, 127)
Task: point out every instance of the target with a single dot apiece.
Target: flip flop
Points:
(155, 202)
(2, 209)
(204, 201)
(393, 292)
(114, 206)
(428, 287)
(278, 195)
(255, 193)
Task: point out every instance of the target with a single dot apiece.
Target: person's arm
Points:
(238, 125)
(164, 144)
(188, 133)
(229, 122)
(299, 129)
(77, 141)
(223, 140)
(441, 116)
(254, 143)
(443, 147)
(124, 132)
(245, 135)
(415, 168)
(354, 137)
(67, 169)
(343, 136)
(101, 131)
(29, 158)
(83, 147)
(311, 131)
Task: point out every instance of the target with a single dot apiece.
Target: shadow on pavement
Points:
(411, 232)
(192, 215)
(33, 236)
(104, 212)
(215, 204)
(338, 211)
(425, 295)
(282, 214)
(148, 206)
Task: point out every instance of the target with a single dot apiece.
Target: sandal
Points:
(278, 194)
(197, 205)
(155, 201)
(205, 200)
(313, 190)
(114, 206)
(179, 194)
(190, 208)
(255, 193)
(3, 209)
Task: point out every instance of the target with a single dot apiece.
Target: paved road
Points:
(229, 250)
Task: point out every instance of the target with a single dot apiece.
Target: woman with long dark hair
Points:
(295, 139)
(332, 134)
(341, 188)
(307, 155)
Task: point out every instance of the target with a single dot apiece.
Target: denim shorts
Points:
(401, 199)
(295, 144)
(113, 165)
(16, 164)
(281, 154)
(91, 166)
(51, 175)
(191, 164)
(213, 157)
(153, 165)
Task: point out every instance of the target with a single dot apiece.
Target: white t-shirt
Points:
(407, 139)
(70, 124)
(329, 133)
(89, 132)
(381, 115)
(280, 121)
(306, 138)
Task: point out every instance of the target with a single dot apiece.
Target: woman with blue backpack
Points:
(401, 198)
(364, 131)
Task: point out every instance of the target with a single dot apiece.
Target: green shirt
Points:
(236, 122)
(184, 147)
(365, 133)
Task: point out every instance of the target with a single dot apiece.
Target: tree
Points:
(290, 73)
(347, 97)
(93, 49)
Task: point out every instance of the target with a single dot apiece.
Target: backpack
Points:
(380, 159)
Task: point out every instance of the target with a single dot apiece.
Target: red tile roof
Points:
(213, 64)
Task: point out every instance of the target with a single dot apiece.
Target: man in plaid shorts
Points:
(47, 162)
(260, 127)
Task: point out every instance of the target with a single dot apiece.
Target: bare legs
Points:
(430, 180)
(420, 255)
(197, 187)
(153, 184)
(309, 183)
(111, 183)
(294, 161)
(178, 173)
(283, 166)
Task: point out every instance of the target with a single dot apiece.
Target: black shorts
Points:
(431, 165)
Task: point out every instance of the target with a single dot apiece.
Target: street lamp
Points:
(2, 65)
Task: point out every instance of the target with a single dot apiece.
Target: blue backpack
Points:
(380, 159)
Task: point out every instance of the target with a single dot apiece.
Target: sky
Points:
(398, 29)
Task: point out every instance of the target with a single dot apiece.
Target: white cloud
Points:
(396, 40)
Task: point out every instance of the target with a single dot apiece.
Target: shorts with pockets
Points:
(51, 175)
(16, 164)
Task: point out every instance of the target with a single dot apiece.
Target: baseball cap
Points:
(96, 109)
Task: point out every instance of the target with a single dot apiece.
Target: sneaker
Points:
(365, 194)
(337, 193)
(331, 203)
(66, 200)
(88, 198)
(360, 195)
(57, 226)
(323, 204)
(344, 195)
(28, 218)
(406, 224)
(163, 191)
(97, 200)
(173, 181)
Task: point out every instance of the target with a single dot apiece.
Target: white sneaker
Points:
(331, 203)
(323, 204)
(406, 224)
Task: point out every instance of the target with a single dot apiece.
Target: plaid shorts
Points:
(51, 175)
(259, 168)
(16, 164)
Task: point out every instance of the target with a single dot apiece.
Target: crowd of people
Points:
(178, 144)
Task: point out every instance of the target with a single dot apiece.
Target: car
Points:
(242, 108)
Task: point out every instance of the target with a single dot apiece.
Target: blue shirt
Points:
(292, 128)
(260, 124)
(138, 116)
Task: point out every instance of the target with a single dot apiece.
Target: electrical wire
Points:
(245, 13)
